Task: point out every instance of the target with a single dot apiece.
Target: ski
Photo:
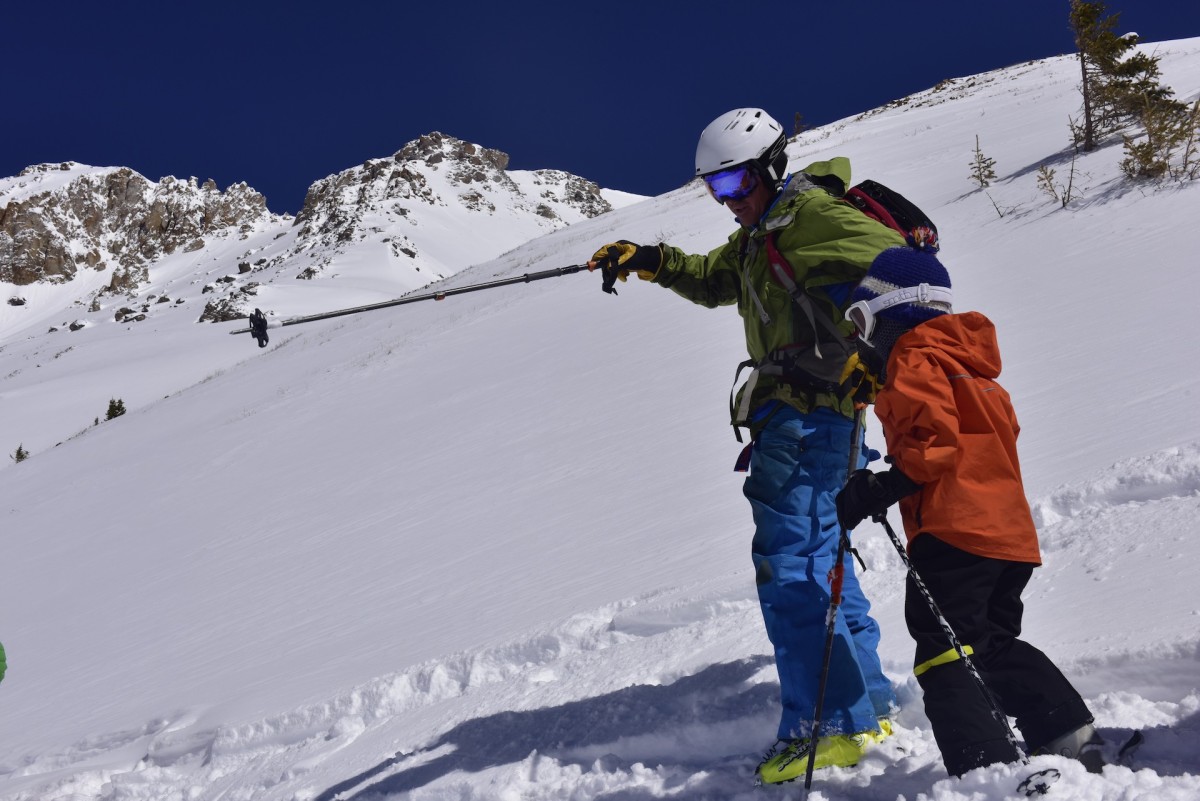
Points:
(1039, 783)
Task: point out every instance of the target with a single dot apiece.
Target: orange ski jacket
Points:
(950, 427)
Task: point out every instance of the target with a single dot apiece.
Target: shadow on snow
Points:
(714, 695)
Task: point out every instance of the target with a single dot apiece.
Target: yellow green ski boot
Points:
(789, 759)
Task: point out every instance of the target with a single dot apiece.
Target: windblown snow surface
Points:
(492, 547)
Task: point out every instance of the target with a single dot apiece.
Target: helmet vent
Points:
(741, 136)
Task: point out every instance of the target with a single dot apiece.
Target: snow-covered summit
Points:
(438, 204)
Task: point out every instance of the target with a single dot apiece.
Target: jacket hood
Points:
(969, 338)
(832, 176)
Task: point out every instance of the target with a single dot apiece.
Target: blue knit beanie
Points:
(909, 266)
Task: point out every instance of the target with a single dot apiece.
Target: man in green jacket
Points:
(789, 268)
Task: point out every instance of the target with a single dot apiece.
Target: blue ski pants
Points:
(797, 467)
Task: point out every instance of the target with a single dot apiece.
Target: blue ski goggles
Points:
(732, 184)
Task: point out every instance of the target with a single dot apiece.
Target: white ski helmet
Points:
(740, 136)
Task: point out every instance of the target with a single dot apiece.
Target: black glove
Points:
(617, 259)
(868, 494)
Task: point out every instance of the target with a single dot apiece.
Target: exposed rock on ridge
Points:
(387, 226)
(112, 218)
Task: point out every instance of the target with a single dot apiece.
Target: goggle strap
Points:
(924, 293)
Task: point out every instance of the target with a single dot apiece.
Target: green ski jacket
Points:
(829, 246)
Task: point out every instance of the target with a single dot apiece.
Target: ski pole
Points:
(997, 712)
(259, 323)
(836, 577)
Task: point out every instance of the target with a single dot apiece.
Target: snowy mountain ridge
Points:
(97, 257)
(100, 237)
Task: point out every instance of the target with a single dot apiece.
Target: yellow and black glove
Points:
(617, 259)
(858, 382)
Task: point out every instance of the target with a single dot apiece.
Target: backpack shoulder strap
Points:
(786, 277)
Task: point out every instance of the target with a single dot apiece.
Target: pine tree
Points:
(1100, 49)
(19, 455)
(1134, 86)
(116, 408)
(1117, 85)
(1169, 145)
(1189, 167)
(983, 169)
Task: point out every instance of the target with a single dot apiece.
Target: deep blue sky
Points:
(282, 94)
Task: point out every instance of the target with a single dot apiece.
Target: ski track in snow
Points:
(1171, 473)
(547, 717)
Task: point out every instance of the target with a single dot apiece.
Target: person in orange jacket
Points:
(951, 436)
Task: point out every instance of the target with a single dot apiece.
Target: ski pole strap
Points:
(610, 271)
(857, 557)
(944, 658)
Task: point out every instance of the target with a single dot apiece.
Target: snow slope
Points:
(492, 548)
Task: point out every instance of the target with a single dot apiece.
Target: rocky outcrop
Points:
(111, 219)
(334, 206)
(563, 188)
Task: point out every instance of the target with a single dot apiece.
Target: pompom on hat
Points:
(907, 267)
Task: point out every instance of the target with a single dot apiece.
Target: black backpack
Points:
(888, 207)
(879, 203)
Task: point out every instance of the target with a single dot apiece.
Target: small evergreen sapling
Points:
(983, 169)
(116, 408)
(1046, 182)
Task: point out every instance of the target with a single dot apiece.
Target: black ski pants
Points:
(981, 599)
